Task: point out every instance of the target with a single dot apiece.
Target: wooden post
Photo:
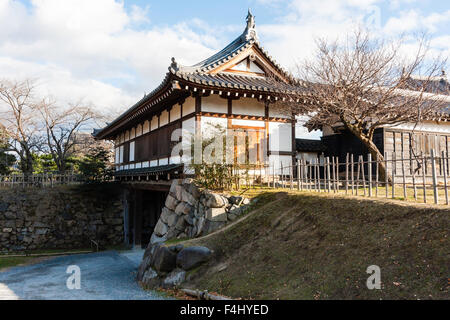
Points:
(358, 169)
(413, 171)
(292, 175)
(317, 169)
(273, 175)
(352, 171)
(337, 174)
(333, 178)
(282, 171)
(424, 179)
(346, 174)
(386, 174)
(444, 160)
(328, 175)
(369, 172)
(363, 174)
(298, 174)
(433, 171)
(376, 176)
(394, 172)
(404, 178)
(301, 174)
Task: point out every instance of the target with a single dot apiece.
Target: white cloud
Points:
(92, 50)
(103, 53)
(412, 20)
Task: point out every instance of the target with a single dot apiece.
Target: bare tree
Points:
(62, 126)
(364, 84)
(20, 118)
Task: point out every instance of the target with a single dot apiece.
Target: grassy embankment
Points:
(299, 245)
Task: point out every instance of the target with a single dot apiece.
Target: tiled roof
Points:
(243, 82)
(149, 170)
(437, 85)
(198, 74)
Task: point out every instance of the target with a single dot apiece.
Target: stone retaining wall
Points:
(190, 212)
(62, 217)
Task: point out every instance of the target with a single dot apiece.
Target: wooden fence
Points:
(39, 180)
(421, 178)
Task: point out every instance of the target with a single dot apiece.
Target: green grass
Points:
(13, 261)
(302, 245)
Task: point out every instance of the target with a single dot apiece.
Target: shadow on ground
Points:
(104, 276)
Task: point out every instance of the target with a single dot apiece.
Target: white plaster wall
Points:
(117, 155)
(277, 161)
(146, 127)
(248, 106)
(139, 130)
(164, 118)
(154, 123)
(175, 113)
(132, 145)
(188, 106)
(248, 123)
(214, 103)
(277, 110)
(441, 127)
(280, 136)
(121, 154)
(163, 161)
(212, 127)
(188, 127)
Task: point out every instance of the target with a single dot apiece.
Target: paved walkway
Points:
(104, 276)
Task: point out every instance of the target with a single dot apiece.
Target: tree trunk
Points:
(373, 149)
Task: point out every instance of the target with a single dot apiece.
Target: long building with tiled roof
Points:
(237, 89)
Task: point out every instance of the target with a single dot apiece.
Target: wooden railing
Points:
(39, 180)
(421, 178)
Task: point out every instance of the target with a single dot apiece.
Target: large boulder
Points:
(149, 275)
(172, 220)
(183, 208)
(214, 200)
(173, 188)
(165, 214)
(174, 279)
(216, 214)
(154, 239)
(192, 257)
(194, 190)
(171, 202)
(235, 200)
(189, 198)
(160, 228)
(164, 260)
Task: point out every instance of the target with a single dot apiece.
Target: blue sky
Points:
(109, 52)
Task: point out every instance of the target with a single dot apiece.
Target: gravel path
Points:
(104, 276)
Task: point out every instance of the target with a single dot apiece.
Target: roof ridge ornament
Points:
(250, 31)
(174, 68)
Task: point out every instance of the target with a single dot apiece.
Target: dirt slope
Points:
(317, 246)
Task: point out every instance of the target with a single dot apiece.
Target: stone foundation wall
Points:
(190, 212)
(62, 217)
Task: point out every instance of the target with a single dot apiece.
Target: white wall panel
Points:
(132, 145)
(214, 103)
(280, 136)
(154, 123)
(163, 118)
(248, 106)
(188, 106)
